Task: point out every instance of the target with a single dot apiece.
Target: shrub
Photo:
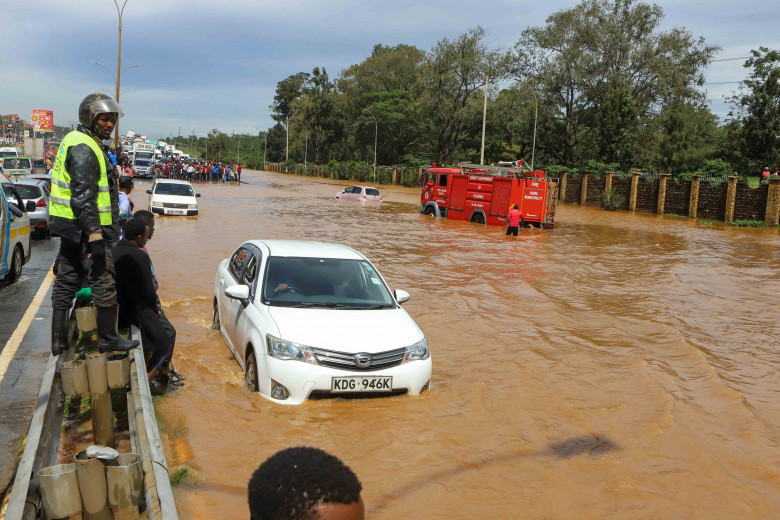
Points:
(747, 223)
(610, 200)
(409, 177)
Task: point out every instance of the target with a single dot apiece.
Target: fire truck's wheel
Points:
(477, 218)
(430, 211)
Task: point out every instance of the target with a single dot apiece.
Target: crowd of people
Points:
(193, 170)
(182, 169)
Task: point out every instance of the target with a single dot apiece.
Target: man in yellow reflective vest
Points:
(84, 211)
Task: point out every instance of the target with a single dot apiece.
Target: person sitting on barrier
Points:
(167, 369)
(136, 294)
(304, 484)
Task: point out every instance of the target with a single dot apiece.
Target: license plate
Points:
(175, 212)
(362, 384)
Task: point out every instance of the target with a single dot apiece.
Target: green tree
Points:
(609, 69)
(287, 91)
(757, 108)
(453, 73)
(688, 135)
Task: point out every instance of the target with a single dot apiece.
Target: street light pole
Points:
(118, 64)
(536, 117)
(286, 143)
(484, 120)
(376, 135)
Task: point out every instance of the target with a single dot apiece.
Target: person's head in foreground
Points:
(304, 484)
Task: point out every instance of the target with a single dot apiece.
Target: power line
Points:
(731, 59)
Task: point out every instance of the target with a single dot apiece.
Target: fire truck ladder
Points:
(495, 171)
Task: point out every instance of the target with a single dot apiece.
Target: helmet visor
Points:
(105, 106)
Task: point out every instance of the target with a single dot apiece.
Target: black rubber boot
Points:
(59, 331)
(109, 337)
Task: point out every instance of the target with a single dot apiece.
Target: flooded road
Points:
(619, 366)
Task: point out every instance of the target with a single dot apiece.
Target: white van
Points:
(15, 248)
(16, 167)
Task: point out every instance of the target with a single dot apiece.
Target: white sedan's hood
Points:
(347, 330)
(174, 199)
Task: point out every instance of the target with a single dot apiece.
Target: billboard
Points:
(43, 120)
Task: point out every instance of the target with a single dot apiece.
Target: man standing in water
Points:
(84, 212)
(514, 220)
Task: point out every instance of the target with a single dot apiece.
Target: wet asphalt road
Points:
(21, 383)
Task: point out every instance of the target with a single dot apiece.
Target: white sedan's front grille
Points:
(346, 361)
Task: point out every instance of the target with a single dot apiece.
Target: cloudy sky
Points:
(214, 64)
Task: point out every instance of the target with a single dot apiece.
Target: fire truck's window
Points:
(442, 180)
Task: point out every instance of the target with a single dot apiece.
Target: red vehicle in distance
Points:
(484, 194)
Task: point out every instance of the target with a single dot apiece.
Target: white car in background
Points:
(173, 197)
(312, 319)
(364, 193)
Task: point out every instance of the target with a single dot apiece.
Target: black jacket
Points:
(84, 170)
(134, 285)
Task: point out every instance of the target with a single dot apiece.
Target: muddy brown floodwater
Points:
(620, 366)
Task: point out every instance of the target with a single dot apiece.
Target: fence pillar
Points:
(608, 181)
(562, 187)
(731, 197)
(584, 192)
(772, 216)
(394, 178)
(693, 202)
(634, 188)
(662, 192)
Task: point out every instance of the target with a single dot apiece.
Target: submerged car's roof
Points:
(172, 181)
(307, 249)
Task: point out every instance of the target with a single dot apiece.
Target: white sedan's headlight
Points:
(192, 206)
(289, 351)
(417, 351)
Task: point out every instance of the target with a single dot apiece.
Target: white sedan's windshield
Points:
(165, 188)
(324, 282)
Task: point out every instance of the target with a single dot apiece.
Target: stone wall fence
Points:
(727, 201)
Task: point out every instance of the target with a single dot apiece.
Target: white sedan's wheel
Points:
(250, 378)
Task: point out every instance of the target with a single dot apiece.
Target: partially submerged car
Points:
(365, 193)
(307, 319)
(173, 197)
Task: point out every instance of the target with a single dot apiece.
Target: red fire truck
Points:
(484, 194)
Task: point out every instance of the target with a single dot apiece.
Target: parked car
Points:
(15, 250)
(36, 191)
(307, 319)
(43, 177)
(173, 197)
(360, 193)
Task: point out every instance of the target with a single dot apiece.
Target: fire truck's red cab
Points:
(484, 194)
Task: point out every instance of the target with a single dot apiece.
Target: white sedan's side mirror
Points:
(238, 292)
(401, 296)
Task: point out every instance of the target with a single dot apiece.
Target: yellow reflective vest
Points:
(60, 181)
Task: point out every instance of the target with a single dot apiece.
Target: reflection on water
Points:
(619, 366)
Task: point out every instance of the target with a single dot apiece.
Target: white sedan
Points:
(308, 319)
(173, 197)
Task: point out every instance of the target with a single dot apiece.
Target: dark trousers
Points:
(171, 333)
(512, 230)
(74, 270)
(154, 335)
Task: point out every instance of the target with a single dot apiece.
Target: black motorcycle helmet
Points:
(95, 104)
